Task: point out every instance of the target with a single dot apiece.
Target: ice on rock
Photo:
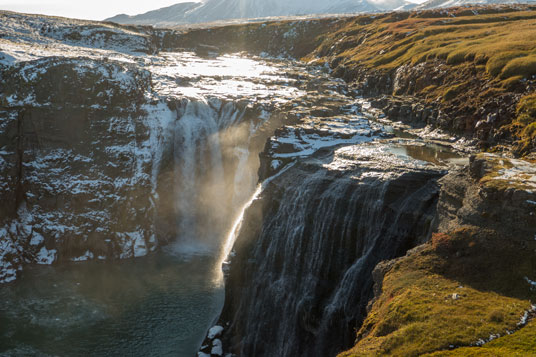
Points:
(217, 348)
(128, 151)
(46, 256)
(87, 256)
(215, 332)
(531, 283)
(275, 164)
(36, 239)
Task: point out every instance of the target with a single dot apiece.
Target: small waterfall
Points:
(213, 172)
(301, 277)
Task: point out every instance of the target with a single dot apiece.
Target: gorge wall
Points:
(301, 278)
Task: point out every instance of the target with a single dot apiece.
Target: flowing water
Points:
(161, 304)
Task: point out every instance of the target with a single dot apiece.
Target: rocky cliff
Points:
(109, 151)
(469, 291)
(301, 275)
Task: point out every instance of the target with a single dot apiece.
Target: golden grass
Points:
(459, 288)
(395, 40)
(519, 344)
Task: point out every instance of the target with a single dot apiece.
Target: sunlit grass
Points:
(458, 289)
(392, 41)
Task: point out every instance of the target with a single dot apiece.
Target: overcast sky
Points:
(85, 9)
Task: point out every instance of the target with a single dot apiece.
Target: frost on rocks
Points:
(102, 112)
(45, 256)
(214, 332)
(531, 283)
(87, 256)
(217, 348)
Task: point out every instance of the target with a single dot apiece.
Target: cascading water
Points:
(301, 277)
(213, 172)
(174, 171)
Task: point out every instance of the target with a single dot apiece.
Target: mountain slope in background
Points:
(222, 10)
(174, 14)
(217, 10)
(434, 4)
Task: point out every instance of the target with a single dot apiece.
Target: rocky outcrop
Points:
(482, 256)
(503, 200)
(74, 151)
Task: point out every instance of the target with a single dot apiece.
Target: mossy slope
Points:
(473, 63)
(471, 289)
(458, 289)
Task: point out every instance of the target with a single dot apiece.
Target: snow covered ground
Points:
(88, 115)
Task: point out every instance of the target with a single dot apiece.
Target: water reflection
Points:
(433, 153)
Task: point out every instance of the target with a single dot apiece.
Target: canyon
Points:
(338, 176)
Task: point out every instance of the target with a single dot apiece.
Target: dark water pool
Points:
(159, 305)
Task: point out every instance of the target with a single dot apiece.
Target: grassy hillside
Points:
(469, 62)
(500, 39)
(448, 295)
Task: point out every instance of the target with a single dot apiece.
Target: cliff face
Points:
(108, 150)
(470, 289)
(75, 142)
(101, 142)
(338, 200)
(301, 277)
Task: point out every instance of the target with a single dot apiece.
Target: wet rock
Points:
(312, 278)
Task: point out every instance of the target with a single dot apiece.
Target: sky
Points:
(86, 9)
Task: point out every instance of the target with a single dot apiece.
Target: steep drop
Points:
(301, 276)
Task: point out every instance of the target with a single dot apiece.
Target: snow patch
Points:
(46, 256)
(214, 332)
(87, 256)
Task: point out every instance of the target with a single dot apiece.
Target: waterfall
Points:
(213, 173)
(301, 277)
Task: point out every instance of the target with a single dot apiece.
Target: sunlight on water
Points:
(233, 233)
(184, 74)
(164, 303)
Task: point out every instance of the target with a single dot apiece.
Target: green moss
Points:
(519, 344)
(460, 56)
(453, 91)
(526, 109)
(457, 289)
(511, 83)
(497, 62)
(524, 126)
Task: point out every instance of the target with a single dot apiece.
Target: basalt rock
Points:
(301, 277)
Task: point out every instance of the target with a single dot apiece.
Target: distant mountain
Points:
(218, 10)
(434, 4)
(171, 15)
